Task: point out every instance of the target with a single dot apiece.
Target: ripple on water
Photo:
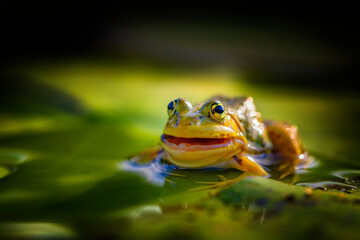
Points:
(155, 172)
(327, 185)
(349, 176)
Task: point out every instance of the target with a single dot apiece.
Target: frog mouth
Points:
(194, 144)
(199, 152)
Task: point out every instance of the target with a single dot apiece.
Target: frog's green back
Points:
(244, 108)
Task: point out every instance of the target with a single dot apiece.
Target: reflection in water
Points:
(306, 163)
(349, 176)
(329, 185)
(158, 172)
(304, 166)
(155, 172)
(345, 180)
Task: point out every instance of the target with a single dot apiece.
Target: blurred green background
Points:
(82, 90)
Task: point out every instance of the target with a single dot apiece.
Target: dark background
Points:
(31, 32)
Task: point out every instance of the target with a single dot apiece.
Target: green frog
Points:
(226, 132)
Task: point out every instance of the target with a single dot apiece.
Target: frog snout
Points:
(189, 120)
(181, 121)
(196, 120)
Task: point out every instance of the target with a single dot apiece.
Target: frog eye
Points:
(171, 107)
(218, 111)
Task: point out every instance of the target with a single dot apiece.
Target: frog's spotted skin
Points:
(244, 109)
(226, 131)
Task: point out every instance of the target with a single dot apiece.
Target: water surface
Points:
(62, 170)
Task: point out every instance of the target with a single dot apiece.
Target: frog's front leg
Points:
(241, 162)
(224, 183)
(246, 163)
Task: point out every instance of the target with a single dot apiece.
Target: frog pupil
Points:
(219, 109)
(171, 105)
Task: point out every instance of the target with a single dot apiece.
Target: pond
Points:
(69, 128)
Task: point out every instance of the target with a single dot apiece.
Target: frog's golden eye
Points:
(218, 111)
(171, 107)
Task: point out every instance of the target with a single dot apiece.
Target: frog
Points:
(226, 132)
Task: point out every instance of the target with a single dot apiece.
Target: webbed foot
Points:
(223, 184)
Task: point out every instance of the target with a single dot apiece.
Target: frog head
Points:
(200, 135)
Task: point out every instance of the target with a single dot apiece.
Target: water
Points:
(64, 173)
(314, 173)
